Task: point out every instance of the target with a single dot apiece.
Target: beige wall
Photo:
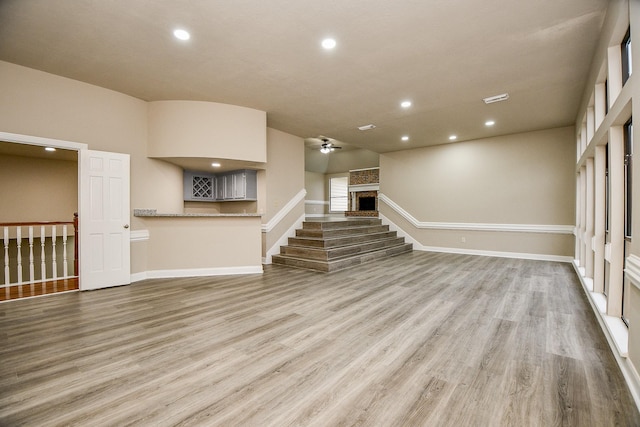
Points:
(41, 104)
(203, 243)
(34, 189)
(316, 197)
(344, 161)
(206, 129)
(516, 179)
(284, 179)
(339, 160)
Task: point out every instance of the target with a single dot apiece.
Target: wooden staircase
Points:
(331, 244)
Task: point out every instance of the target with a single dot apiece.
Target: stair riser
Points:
(329, 225)
(341, 241)
(330, 254)
(371, 256)
(342, 231)
(341, 264)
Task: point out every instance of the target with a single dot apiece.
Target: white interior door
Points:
(104, 220)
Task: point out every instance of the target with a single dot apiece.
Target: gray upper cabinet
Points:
(227, 186)
(199, 186)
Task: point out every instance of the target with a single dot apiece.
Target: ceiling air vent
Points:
(497, 98)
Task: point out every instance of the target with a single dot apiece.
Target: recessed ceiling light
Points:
(181, 34)
(405, 138)
(489, 123)
(50, 149)
(367, 127)
(453, 137)
(405, 104)
(328, 43)
(215, 164)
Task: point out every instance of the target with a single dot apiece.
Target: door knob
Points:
(126, 226)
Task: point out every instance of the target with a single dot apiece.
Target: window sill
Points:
(615, 330)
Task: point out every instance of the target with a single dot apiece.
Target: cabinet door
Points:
(198, 186)
(228, 187)
(220, 186)
(239, 185)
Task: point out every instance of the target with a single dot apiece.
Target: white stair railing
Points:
(49, 266)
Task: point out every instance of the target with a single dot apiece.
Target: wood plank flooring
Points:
(38, 288)
(421, 339)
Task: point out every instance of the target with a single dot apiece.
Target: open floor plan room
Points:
(418, 339)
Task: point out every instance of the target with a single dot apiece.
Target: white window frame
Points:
(339, 194)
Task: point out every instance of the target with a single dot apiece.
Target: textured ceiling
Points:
(444, 55)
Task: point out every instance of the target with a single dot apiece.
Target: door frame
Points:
(55, 143)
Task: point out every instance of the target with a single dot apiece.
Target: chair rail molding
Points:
(266, 228)
(519, 228)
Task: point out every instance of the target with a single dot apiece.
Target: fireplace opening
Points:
(367, 203)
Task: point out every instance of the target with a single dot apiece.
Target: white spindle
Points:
(43, 265)
(54, 269)
(19, 243)
(31, 267)
(64, 251)
(6, 256)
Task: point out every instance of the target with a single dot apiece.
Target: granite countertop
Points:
(154, 214)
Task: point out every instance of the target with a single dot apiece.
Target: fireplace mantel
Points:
(364, 187)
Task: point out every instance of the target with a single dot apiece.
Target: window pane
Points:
(628, 179)
(339, 201)
(626, 56)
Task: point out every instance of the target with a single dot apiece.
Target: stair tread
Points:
(333, 265)
(335, 244)
(339, 258)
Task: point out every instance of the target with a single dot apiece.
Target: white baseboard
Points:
(517, 255)
(283, 240)
(196, 272)
(136, 277)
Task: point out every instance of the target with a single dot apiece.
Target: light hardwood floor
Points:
(418, 339)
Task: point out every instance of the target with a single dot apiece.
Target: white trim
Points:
(199, 272)
(357, 188)
(617, 335)
(266, 228)
(139, 235)
(43, 142)
(632, 270)
(316, 202)
(136, 277)
(518, 228)
(518, 255)
(283, 240)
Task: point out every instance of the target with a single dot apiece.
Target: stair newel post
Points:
(19, 257)
(65, 269)
(31, 258)
(6, 256)
(43, 265)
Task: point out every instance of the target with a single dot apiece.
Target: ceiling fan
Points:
(327, 144)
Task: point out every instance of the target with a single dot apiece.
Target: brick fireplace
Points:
(363, 192)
